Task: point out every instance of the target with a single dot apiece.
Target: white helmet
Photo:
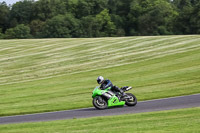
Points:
(100, 80)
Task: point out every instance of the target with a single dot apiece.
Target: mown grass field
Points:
(173, 121)
(41, 75)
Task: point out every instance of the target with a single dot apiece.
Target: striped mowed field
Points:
(41, 75)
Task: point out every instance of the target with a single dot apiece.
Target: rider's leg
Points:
(115, 88)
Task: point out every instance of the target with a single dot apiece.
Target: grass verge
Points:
(181, 120)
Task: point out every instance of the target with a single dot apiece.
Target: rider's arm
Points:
(108, 84)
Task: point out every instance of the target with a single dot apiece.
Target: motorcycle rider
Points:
(107, 83)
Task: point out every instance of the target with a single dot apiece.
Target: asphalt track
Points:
(145, 106)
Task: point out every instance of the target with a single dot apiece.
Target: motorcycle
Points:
(103, 99)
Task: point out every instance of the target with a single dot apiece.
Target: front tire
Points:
(99, 103)
(132, 101)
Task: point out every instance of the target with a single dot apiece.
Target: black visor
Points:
(98, 81)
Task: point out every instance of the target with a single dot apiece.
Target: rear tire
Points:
(132, 101)
(99, 103)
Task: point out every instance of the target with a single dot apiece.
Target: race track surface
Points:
(145, 106)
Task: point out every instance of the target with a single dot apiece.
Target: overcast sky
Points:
(9, 1)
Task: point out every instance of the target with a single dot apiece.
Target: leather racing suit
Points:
(107, 83)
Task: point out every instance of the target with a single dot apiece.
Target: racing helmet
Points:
(100, 80)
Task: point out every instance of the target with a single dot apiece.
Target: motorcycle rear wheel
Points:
(132, 101)
(99, 103)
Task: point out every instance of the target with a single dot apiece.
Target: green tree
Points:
(187, 22)
(106, 26)
(46, 9)
(62, 26)
(98, 26)
(22, 12)
(151, 17)
(71, 6)
(184, 8)
(100, 18)
(90, 7)
(4, 16)
(20, 31)
(120, 23)
(119, 10)
(1, 34)
(119, 7)
(180, 4)
(89, 26)
(36, 27)
(195, 19)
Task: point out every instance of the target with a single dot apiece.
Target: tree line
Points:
(98, 18)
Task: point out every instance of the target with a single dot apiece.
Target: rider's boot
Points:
(122, 95)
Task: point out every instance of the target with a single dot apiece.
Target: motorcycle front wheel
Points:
(99, 103)
(132, 101)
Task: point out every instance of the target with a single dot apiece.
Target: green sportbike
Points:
(103, 99)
